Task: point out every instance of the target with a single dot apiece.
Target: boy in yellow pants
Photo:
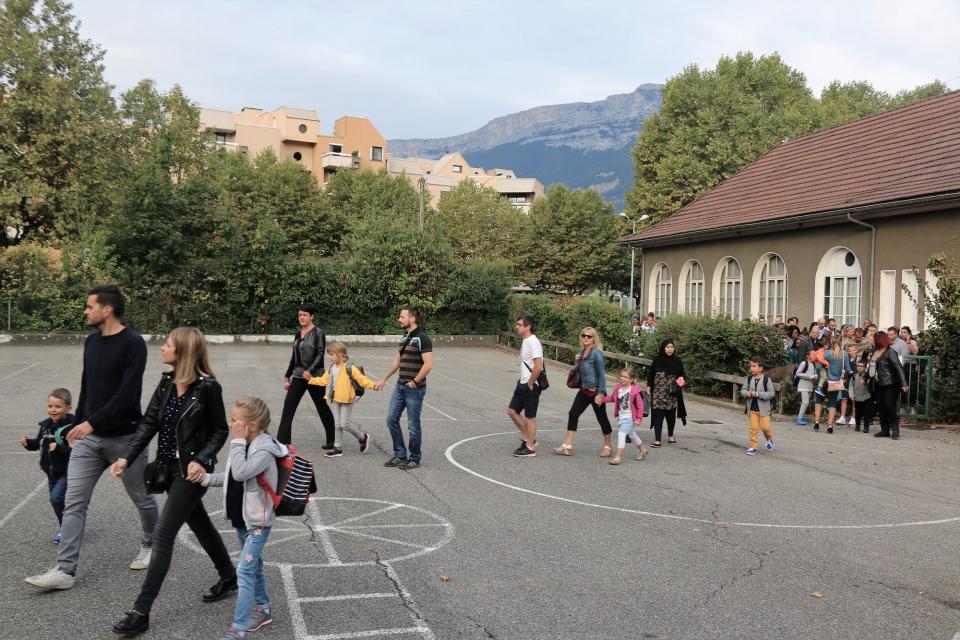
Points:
(759, 392)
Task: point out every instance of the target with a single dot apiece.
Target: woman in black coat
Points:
(891, 380)
(665, 380)
(186, 413)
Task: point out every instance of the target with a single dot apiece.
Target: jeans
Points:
(251, 580)
(184, 505)
(58, 491)
(88, 460)
(404, 397)
(887, 408)
(299, 386)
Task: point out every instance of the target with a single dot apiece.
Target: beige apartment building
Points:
(354, 144)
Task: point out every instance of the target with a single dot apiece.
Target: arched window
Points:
(692, 278)
(730, 288)
(771, 287)
(837, 288)
(662, 291)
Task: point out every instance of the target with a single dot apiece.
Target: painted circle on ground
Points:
(377, 524)
(666, 516)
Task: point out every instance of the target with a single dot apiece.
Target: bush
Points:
(474, 298)
(612, 322)
(942, 310)
(547, 315)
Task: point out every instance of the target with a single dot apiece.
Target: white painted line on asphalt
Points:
(296, 613)
(349, 596)
(488, 392)
(366, 515)
(18, 453)
(443, 413)
(372, 633)
(670, 516)
(390, 526)
(19, 371)
(370, 536)
(23, 503)
(322, 536)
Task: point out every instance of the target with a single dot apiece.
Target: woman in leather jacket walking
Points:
(309, 348)
(891, 380)
(186, 413)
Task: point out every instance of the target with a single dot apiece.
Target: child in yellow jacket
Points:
(340, 394)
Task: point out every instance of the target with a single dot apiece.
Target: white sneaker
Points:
(53, 579)
(841, 420)
(142, 561)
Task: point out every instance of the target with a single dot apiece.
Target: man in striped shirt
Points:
(414, 363)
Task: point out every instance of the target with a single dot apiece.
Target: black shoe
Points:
(856, 428)
(364, 442)
(829, 429)
(895, 436)
(336, 452)
(881, 434)
(327, 446)
(526, 452)
(523, 445)
(866, 430)
(221, 590)
(409, 465)
(132, 624)
(395, 462)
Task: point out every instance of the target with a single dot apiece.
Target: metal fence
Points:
(915, 403)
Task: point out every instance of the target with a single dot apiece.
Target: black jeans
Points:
(580, 404)
(887, 407)
(657, 416)
(184, 505)
(298, 386)
(865, 413)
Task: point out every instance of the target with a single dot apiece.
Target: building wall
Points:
(903, 242)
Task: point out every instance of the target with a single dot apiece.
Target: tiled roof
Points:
(895, 155)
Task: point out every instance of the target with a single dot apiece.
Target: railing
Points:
(735, 381)
(915, 403)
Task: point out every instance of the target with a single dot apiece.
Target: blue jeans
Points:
(58, 493)
(251, 580)
(412, 400)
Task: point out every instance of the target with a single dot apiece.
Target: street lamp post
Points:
(423, 185)
(633, 249)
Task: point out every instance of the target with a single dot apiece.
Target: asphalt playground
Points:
(842, 536)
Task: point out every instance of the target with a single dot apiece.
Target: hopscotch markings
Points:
(349, 596)
(23, 503)
(322, 536)
(387, 526)
(293, 599)
(365, 515)
(380, 539)
(19, 371)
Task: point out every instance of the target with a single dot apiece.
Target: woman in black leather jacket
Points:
(309, 349)
(891, 380)
(186, 413)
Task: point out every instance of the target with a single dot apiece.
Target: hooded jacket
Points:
(246, 464)
(53, 463)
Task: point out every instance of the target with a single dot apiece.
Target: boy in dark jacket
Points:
(51, 441)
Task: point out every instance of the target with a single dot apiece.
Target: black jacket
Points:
(307, 354)
(201, 427)
(53, 462)
(889, 370)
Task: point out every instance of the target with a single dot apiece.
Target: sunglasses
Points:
(585, 335)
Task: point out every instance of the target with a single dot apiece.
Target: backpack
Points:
(295, 483)
(796, 373)
(357, 389)
(760, 385)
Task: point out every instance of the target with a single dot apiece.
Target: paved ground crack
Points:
(402, 593)
(482, 627)
(759, 556)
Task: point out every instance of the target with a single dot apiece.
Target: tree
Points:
(479, 223)
(350, 197)
(841, 103)
(58, 127)
(571, 243)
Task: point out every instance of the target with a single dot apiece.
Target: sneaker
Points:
(802, 421)
(364, 442)
(841, 420)
(56, 538)
(525, 452)
(142, 561)
(259, 619)
(521, 448)
(336, 452)
(56, 578)
(820, 392)
(132, 624)
(394, 462)
(234, 634)
(829, 429)
(769, 445)
(816, 426)
(751, 451)
(409, 465)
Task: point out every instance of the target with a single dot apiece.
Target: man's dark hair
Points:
(894, 328)
(109, 295)
(813, 324)
(413, 312)
(829, 320)
(309, 307)
(758, 360)
(526, 321)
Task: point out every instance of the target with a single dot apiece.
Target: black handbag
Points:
(156, 477)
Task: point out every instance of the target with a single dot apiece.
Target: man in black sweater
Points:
(114, 358)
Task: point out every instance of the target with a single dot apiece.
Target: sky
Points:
(428, 69)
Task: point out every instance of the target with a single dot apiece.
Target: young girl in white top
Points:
(341, 396)
(806, 374)
(628, 412)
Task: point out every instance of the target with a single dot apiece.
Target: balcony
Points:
(231, 146)
(332, 161)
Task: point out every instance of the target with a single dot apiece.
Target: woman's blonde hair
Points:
(193, 361)
(597, 342)
(338, 348)
(836, 347)
(254, 410)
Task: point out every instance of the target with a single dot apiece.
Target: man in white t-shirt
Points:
(526, 396)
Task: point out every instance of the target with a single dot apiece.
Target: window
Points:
(458, 168)
(376, 154)
(731, 285)
(837, 288)
(514, 198)
(663, 291)
(302, 128)
(221, 138)
(297, 156)
(693, 289)
(336, 148)
(773, 288)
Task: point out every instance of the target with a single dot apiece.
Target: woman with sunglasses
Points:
(592, 369)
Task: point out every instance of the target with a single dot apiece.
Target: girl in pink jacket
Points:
(628, 411)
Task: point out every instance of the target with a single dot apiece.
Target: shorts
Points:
(525, 400)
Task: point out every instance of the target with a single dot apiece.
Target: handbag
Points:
(542, 381)
(156, 477)
(834, 386)
(573, 377)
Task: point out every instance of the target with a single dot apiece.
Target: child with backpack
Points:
(861, 391)
(249, 508)
(628, 411)
(51, 442)
(803, 380)
(759, 392)
(345, 384)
